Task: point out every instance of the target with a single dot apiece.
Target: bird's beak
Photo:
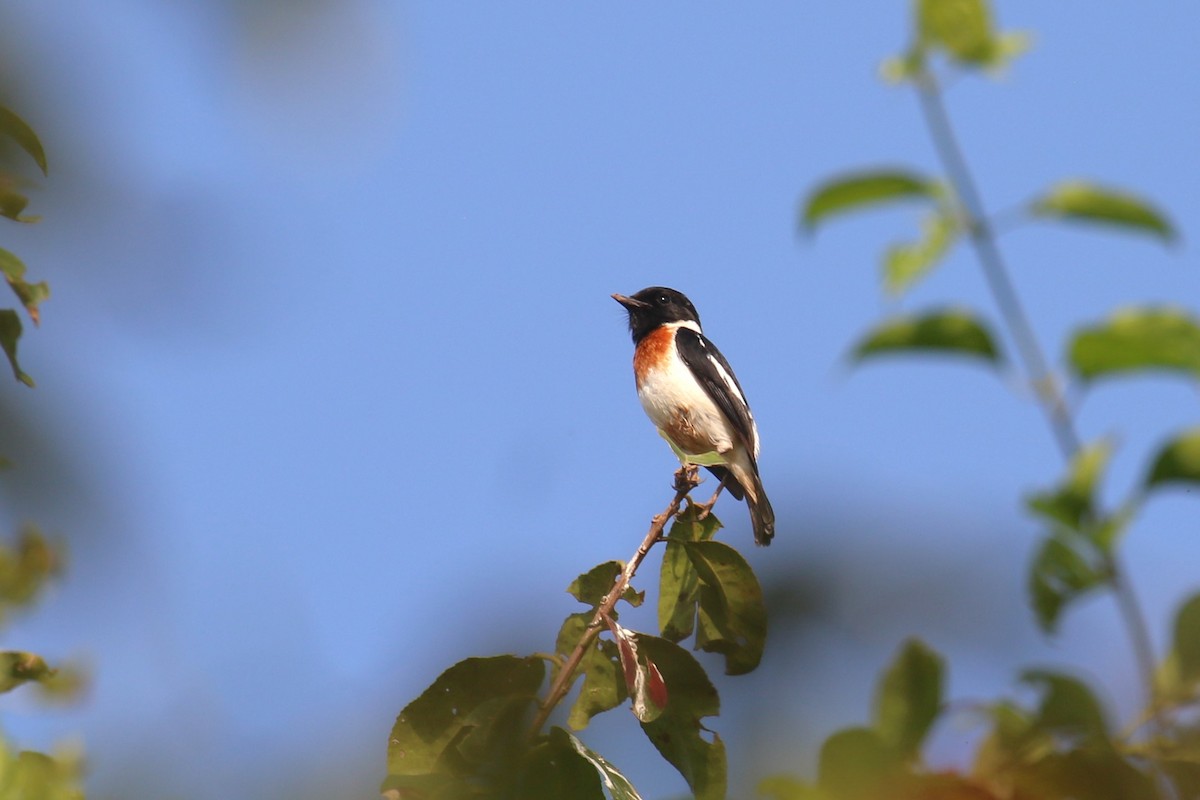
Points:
(629, 302)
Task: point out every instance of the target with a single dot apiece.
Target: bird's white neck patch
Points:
(691, 325)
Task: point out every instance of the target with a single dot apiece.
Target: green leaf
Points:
(593, 586)
(1062, 571)
(679, 585)
(19, 131)
(1073, 502)
(555, 769)
(30, 294)
(1138, 339)
(10, 333)
(1186, 648)
(855, 764)
(618, 786)
(951, 331)
(785, 787)
(732, 613)
(1178, 461)
(429, 724)
(1088, 202)
(17, 668)
(1068, 708)
(603, 684)
(677, 733)
(905, 264)
(909, 698)
(857, 190)
(963, 28)
(26, 567)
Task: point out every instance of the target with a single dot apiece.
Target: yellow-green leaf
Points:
(1187, 640)
(963, 28)
(909, 698)
(1089, 202)
(905, 264)
(953, 332)
(1138, 339)
(858, 190)
(1178, 461)
(19, 131)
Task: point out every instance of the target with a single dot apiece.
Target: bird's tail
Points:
(762, 516)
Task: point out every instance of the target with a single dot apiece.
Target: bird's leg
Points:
(706, 508)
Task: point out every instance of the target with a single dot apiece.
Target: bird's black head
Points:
(656, 306)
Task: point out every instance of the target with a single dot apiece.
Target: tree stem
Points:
(1045, 384)
(686, 479)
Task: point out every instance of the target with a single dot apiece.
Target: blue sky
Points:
(334, 393)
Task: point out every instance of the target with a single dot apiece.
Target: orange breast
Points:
(652, 353)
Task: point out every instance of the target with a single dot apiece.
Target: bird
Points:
(690, 393)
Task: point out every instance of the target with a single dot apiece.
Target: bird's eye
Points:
(662, 299)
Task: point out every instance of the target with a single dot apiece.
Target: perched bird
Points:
(691, 395)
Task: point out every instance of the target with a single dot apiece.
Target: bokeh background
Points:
(331, 392)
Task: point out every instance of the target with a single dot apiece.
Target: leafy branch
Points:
(1064, 748)
(686, 479)
(477, 731)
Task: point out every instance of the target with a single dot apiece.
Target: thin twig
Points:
(686, 479)
(1046, 385)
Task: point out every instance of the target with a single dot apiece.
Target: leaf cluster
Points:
(1063, 746)
(12, 206)
(469, 734)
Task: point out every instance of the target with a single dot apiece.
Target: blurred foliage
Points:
(1064, 745)
(28, 563)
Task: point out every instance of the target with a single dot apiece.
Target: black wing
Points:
(706, 362)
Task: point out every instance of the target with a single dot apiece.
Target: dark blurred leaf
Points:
(10, 333)
(963, 28)
(1068, 708)
(679, 586)
(677, 732)
(733, 615)
(25, 567)
(643, 681)
(905, 264)
(555, 770)
(1088, 774)
(1138, 339)
(784, 787)
(429, 787)
(19, 131)
(431, 722)
(951, 332)
(854, 191)
(1073, 502)
(909, 698)
(855, 764)
(618, 786)
(1062, 571)
(1088, 202)
(17, 668)
(1186, 643)
(1178, 461)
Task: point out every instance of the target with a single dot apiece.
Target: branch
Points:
(686, 479)
(1037, 371)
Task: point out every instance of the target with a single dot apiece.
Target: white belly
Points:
(681, 409)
